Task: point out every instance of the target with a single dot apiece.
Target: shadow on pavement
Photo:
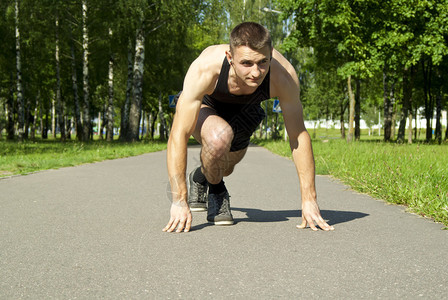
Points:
(333, 216)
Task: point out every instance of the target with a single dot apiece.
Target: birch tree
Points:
(59, 103)
(136, 100)
(110, 104)
(20, 96)
(85, 74)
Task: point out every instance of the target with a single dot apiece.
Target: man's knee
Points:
(217, 142)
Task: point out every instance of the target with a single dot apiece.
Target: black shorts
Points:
(244, 120)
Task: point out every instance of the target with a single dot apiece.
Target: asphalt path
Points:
(95, 231)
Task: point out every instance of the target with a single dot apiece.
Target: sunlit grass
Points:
(26, 157)
(412, 175)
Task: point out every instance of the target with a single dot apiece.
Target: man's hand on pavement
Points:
(180, 218)
(311, 216)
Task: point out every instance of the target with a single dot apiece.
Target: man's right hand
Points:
(180, 217)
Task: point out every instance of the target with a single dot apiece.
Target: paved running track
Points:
(95, 231)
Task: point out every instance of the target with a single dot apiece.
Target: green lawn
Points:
(21, 158)
(412, 175)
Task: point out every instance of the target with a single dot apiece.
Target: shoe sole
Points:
(198, 209)
(222, 223)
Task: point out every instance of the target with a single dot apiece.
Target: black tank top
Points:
(221, 94)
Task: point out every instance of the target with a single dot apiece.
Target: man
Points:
(220, 107)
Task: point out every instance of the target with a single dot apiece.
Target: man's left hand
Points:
(311, 216)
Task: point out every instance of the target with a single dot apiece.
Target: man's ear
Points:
(229, 57)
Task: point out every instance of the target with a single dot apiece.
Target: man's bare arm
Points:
(287, 88)
(197, 83)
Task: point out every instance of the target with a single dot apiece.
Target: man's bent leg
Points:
(216, 136)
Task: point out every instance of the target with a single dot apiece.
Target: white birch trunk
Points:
(134, 113)
(110, 106)
(85, 73)
(60, 105)
(20, 100)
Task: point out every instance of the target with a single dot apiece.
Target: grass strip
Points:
(27, 157)
(411, 175)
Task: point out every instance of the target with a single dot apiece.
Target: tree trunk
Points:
(394, 118)
(125, 108)
(428, 101)
(45, 127)
(153, 123)
(342, 120)
(69, 124)
(438, 132)
(406, 108)
(53, 117)
(352, 109)
(416, 124)
(20, 97)
(163, 129)
(10, 111)
(387, 108)
(110, 106)
(85, 74)
(410, 125)
(358, 110)
(60, 104)
(99, 127)
(36, 109)
(143, 114)
(27, 120)
(148, 122)
(134, 113)
(392, 110)
(78, 123)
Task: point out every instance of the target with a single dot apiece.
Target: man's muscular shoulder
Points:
(204, 71)
(283, 75)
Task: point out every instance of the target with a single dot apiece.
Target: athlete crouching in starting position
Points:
(220, 107)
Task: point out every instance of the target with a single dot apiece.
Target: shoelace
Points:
(199, 190)
(223, 205)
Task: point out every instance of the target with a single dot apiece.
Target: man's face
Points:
(251, 66)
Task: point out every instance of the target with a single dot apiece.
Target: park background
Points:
(83, 81)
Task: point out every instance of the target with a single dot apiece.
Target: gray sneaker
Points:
(219, 209)
(197, 195)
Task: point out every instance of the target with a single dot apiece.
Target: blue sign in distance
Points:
(171, 100)
(276, 108)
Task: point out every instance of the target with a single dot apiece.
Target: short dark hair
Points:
(250, 34)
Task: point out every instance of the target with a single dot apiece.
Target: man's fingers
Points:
(173, 225)
(181, 225)
(303, 225)
(319, 221)
(168, 225)
(188, 225)
(324, 225)
(312, 226)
